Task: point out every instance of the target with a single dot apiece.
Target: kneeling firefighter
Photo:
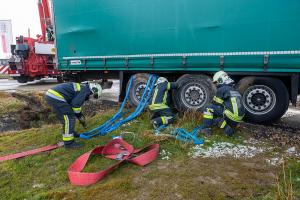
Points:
(161, 113)
(66, 100)
(227, 109)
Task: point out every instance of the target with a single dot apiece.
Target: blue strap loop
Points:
(117, 120)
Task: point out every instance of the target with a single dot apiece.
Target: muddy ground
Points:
(34, 112)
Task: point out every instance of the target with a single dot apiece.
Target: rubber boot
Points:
(76, 135)
(228, 131)
(72, 144)
(157, 122)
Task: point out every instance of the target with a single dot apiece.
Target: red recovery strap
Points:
(117, 149)
(30, 152)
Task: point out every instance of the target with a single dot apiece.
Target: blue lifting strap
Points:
(117, 120)
(183, 135)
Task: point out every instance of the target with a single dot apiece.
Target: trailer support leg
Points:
(294, 88)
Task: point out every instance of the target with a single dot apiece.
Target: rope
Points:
(117, 120)
(183, 135)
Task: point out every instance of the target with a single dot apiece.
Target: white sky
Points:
(24, 14)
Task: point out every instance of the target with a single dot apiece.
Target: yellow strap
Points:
(165, 97)
(223, 124)
(66, 124)
(78, 87)
(55, 93)
(76, 110)
(169, 86)
(234, 106)
(154, 96)
(66, 139)
(208, 116)
(163, 120)
(218, 100)
(233, 117)
(158, 106)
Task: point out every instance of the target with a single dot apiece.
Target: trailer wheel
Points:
(195, 92)
(22, 79)
(137, 88)
(265, 99)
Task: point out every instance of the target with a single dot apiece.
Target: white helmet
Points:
(222, 77)
(96, 89)
(161, 80)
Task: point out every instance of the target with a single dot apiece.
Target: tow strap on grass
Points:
(31, 152)
(117, 120)
(183, 135)
(116, 149)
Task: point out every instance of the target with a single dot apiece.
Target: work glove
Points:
(82, 121)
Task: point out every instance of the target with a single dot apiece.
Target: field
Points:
(247, 168)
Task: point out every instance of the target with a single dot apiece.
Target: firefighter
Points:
(161, 114)
(227, 109)
(66, 100)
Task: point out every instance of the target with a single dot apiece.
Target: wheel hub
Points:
(194, 95)
(259, 99)
(139, 91)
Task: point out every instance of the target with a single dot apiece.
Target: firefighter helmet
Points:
(161, 80)
(96, 89)
(222, 77)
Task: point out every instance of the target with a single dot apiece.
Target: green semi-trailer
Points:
(256, 41)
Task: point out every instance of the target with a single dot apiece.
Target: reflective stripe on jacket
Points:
(72, 93)
(160, 96)
(231, 99)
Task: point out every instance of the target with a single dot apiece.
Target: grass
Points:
(44, 176)
(288, 183)
(9, 103)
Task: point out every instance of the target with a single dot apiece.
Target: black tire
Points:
(195, 92)
(137, 88)
(22, 79)
(265, 99)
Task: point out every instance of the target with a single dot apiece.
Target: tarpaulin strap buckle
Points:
(116, 149)
(121, 155)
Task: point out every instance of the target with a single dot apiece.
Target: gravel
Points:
(222, 149)
(165, 154)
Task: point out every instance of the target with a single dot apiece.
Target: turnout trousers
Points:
(162, 117)
(214, 116)
(66, 116)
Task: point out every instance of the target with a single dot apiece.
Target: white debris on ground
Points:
(275, 161)
(291, 112)
(38, 185)
(292, 152)
(222, 149)
(252, 141)
(165, 154)
(130, 123)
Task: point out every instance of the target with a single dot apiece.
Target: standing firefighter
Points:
(161, 113)
(66, 100)
(227, 109)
